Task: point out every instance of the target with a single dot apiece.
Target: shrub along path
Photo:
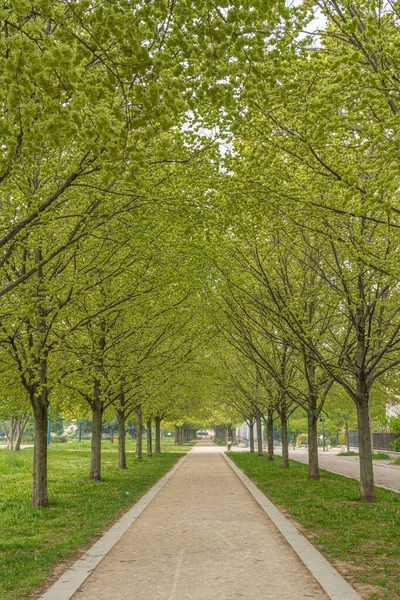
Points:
(202, 536)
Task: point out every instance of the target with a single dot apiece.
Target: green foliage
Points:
(394, 423)
(57, 424)
(396, 444)
(200, 220)
(59, 439)
(302, 439)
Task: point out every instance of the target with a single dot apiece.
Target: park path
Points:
(385, 475)
(202, 536)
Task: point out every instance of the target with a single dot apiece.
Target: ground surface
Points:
(203, 535)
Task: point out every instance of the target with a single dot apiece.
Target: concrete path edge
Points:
(327, 576)
(66, 586)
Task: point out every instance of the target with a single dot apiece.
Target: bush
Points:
(219, 442)
(341, 439)
(59, 439)
(396, 444)
(302, 439)
(380, 456)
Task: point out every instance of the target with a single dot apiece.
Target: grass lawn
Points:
(349, 453)
(375, 455)
(33, 540)
(361, 540)
(167, 445)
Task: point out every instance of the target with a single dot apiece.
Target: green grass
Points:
(33, 540)
(219, 442)
(364, 539)
(380, 456)
(396, 462)
(375, 455)
(167, 445)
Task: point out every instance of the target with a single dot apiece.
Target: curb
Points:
(66, 586)
(329, 579)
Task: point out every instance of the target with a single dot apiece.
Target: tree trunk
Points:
(270, 430)
(284, 440)
(139, 436)
(259, 437)
(157, 449)
(121, 440)
(346, 425)
(39, 399)
(312, 444)
(367, 493)
(252, 436)
(22, 422)
(10, 433)
(149, 439)
(40, 406)
(97, 418)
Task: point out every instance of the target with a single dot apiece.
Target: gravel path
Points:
(203, 536)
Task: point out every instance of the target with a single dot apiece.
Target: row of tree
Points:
(159, 158)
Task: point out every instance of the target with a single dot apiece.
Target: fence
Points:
(382, 440)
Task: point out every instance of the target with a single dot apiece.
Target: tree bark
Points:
(252, 436)
(10, 433)
(121, 440)
(346, 425)
(367, 492)
(139, 436)
(39, 399)
(97, 418)
(149, 438)
(284, 440)
(157, 449)
(22, 422)
(259, 437)
(312, 444)
(40, 406)
(270, 430)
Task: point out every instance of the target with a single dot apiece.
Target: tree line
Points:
(173, 171)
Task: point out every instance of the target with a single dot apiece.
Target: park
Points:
(199, 299)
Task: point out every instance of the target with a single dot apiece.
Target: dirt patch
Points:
(348, 569)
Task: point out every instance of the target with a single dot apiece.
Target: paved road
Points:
(203, 536)
(385, 474)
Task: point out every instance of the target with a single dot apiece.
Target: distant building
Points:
(393, 410)
(243, 433)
